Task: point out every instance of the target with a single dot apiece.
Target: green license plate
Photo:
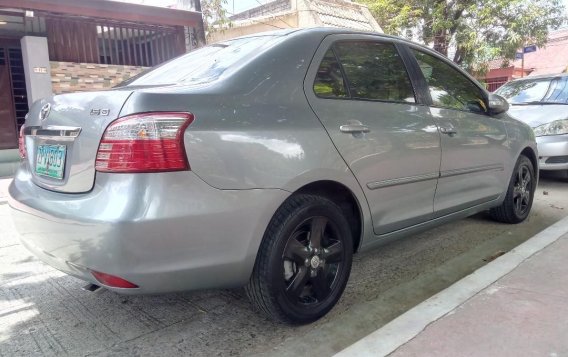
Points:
(50, 161)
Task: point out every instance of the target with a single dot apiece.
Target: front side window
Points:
(375, 71)
(448, 87)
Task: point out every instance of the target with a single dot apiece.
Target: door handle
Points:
(354, 128)
(448, 131)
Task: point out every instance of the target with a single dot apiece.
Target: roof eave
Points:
(111, 10)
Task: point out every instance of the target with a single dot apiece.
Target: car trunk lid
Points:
(62, 135)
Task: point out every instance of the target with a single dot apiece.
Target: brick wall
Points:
(69, 77)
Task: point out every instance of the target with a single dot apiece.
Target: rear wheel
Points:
(520, 194)
(304, 261)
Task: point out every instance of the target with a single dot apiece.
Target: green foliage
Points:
(478, 30)
(214, 15)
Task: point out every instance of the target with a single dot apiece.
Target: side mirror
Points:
(497, 104)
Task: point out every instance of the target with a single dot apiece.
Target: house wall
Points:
(69, 77)
(281, 14)
(247, 27)
(500, 72)
(268, 9)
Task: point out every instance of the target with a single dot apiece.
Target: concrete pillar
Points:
(36, 67)
(306, 16)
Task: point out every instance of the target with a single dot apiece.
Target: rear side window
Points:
(374, 71)
(448, 87)
(202, 65)
(329, 81)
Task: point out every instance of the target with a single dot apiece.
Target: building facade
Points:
(283, 14)
(59, 46)
(551, 58)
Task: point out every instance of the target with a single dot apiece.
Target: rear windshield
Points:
(548, 90)
(200, 66)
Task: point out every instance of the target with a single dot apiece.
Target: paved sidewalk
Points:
(516, 305)
(4, 182)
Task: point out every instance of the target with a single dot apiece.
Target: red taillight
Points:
(149, 142)
(22, 143)
(113, 281)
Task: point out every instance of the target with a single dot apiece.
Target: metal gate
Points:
(13, 95)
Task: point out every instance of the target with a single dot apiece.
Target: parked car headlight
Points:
(556, 127)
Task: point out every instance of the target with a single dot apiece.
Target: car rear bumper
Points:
(553, 152)
(163, 232)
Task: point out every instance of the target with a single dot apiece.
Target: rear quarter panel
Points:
(254, 129)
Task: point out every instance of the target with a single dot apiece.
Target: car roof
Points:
(324, 31)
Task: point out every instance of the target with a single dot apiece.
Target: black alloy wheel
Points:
(304, 260)
(312, 259)
(522, 190)
(520, 194)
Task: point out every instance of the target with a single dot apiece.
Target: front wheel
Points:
(304, 261)
(518, 202)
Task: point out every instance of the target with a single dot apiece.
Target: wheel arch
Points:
(531, 155)
(345, 199)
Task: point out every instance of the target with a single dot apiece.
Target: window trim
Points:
(417, 79)
(343, 76)
(342, 70)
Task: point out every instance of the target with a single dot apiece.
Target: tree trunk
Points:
(459, 56)
(441, 42)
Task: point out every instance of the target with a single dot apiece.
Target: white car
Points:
(542, 103)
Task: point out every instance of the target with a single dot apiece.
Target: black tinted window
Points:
(329, 80)
(374, 71)
(448, 87)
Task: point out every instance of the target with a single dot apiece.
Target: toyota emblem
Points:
(44, 113)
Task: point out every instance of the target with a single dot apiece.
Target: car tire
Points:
(304, 261)
(520, 194)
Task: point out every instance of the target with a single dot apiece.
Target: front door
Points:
(8, 131)
(474, 144)
(359, 88)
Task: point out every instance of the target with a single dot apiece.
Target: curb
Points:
(399, 331)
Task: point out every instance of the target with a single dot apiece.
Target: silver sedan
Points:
(542, 103)
(265, 161)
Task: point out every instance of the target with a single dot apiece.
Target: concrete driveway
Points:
(44, 312)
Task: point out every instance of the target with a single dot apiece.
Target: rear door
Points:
(359, 88)
(474, 144)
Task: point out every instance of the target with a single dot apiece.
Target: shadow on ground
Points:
(45, 312)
